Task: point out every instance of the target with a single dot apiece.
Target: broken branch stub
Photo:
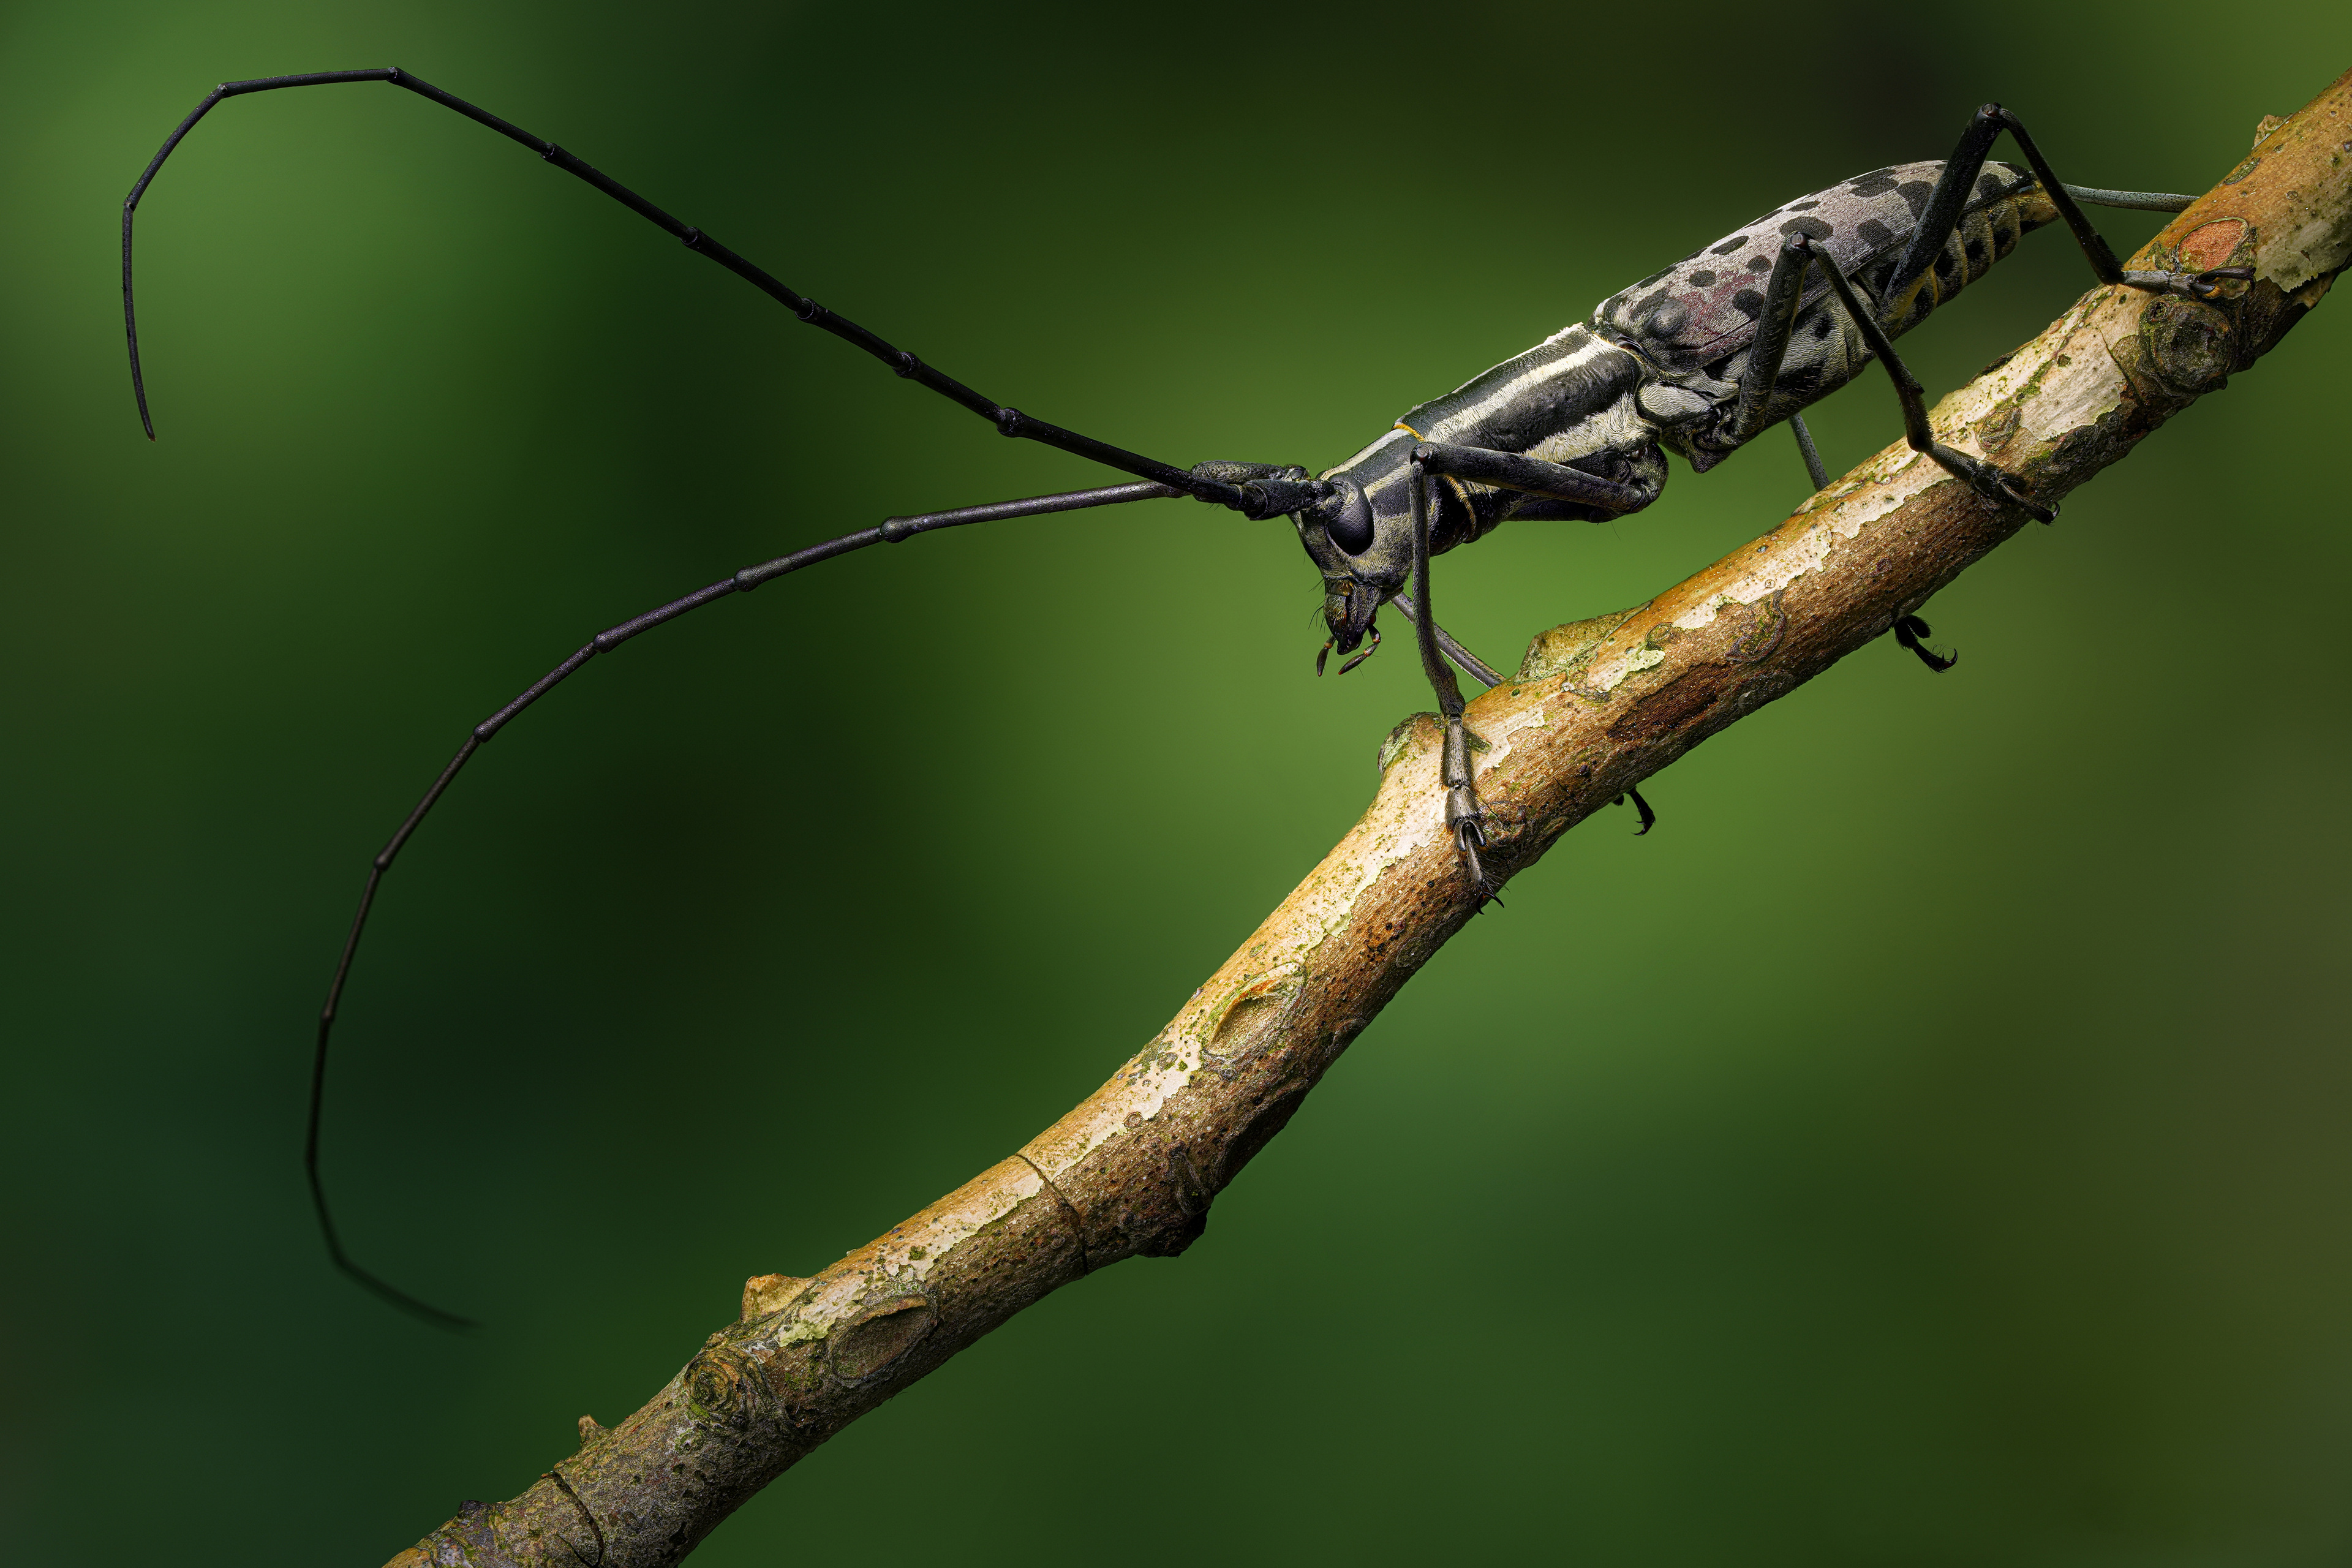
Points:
(1597, 707)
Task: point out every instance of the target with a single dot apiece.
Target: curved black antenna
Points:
(1008, 421)
(891, 531)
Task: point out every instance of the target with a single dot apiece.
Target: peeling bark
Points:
(1597, 707)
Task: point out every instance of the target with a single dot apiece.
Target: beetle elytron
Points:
(1696, 360)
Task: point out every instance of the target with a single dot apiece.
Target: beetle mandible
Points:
(1698, 359)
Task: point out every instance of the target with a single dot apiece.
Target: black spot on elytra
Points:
(1653, 277)
(1800, 378)
(1747, 302)
(1728, 246)
(1645, 305)
(1811, 227)
(1873, 233)
(1915, 193)
(1758, 264)
(1876, 183)
(1990, 185)
(1821, 330)
(1947, 267)
(1976, 249)
(1702, 279)
(1808, 204)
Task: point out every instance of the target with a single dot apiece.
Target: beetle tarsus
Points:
(1649, 817)
(1996, 484)
(1911, 632)
(2207, 284)
(1468, 824)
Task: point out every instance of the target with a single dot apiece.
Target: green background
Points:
(1927, 1147)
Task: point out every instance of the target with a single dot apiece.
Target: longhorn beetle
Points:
(1698, 359)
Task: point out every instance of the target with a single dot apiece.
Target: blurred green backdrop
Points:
(1927, 1147)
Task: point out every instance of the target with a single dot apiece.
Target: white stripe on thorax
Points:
(1399, 433)
(1509, 391)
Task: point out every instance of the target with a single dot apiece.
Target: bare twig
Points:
(1597, 707)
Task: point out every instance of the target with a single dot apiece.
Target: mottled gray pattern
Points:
(1703, 310)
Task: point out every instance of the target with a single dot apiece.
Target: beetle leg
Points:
(1507, 470)
(1782, 294)
(1814, 470)
(1952, 191)
(1463, 817)
(1911, 632)
(1986, 479)
(1531, 475)
(1642, 807)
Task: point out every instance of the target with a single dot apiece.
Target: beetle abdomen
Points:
(1703, 310)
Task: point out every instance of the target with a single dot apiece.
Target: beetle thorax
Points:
(1567, 400)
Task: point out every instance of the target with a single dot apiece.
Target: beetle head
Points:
(1360, 539)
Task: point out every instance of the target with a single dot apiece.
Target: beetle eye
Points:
(1351, 530)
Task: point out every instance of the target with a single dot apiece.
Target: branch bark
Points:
(1597, 707)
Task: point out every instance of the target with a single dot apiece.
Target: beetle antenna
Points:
(1008, 421)
(891, 531)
